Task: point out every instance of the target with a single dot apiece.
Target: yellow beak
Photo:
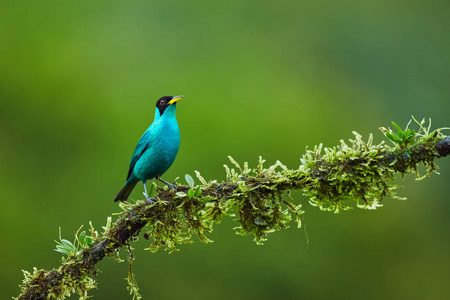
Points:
(175, 99)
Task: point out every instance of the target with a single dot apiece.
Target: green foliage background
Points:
(78, 84)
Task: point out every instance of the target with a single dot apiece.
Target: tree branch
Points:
(329, 177)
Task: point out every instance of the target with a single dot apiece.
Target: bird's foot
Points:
(151, 200)
(169, 185)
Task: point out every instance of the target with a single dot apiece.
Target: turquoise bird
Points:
(156, 150)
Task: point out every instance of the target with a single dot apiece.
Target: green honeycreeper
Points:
(156, 150)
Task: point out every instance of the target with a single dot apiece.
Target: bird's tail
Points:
(127, 189)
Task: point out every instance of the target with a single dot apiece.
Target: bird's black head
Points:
(164, 102)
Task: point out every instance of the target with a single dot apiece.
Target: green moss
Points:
(355, 173)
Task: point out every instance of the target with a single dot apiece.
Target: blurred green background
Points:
(78, 85)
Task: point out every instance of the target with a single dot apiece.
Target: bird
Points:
(156, 150)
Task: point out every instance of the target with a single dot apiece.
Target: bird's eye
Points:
(162, 102)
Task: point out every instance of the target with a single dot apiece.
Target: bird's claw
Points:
(148, 198)
(171, 186)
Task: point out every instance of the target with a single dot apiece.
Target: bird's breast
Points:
(161, 153)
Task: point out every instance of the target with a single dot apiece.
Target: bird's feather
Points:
(127, 189)
(143, 144)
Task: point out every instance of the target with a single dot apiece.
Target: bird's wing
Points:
(141, 147)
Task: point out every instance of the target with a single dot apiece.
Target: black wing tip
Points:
(122, 195)
(125, 191)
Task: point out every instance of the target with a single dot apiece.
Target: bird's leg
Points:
(147, 196)
(171, 186)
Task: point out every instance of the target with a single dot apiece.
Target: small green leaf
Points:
(191, 193)
(390, 136)
(409, 139)
(63, 249)
(398, 128)
(88, 241)
(198, 192)
(181, 194)
(189, 180)
(303, 161)
(398, 141)
(82, 237)
(67, 243)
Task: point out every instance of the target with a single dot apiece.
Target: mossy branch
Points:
(329, 178)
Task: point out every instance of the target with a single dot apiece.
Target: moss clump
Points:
(258, 198)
